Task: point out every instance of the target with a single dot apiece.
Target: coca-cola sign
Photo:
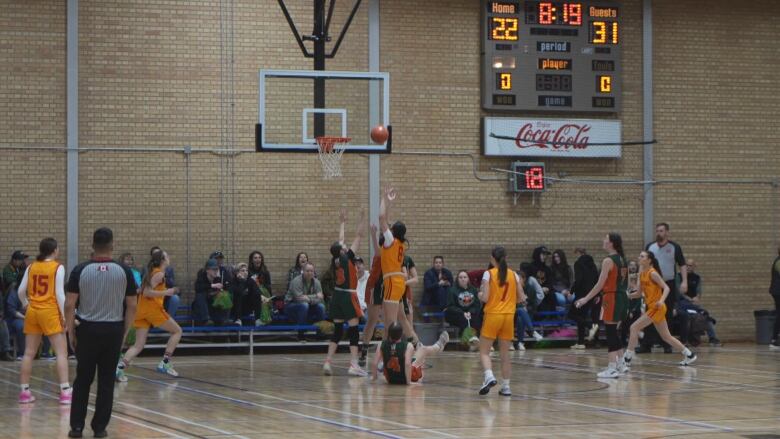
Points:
(511, 137)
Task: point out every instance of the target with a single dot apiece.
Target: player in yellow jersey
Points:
(655, 290)
(43, 287)
(394, 275)
(151, 312)
(501, 291)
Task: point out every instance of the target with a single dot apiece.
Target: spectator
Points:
(207, 284)
(689, 310)
(411, 279)
(562, 278)
(304, 301)
(539, 270)
(259, 272)
(437, 282)
(296, 269)
(586, 274)
(6, 354)
(225, 270)
(14, 316)
(12, 272)
(247, 297)
(523, 311)
(128, 261)
(463, 305)
(362, 282)
(774, 290)
(670, 256)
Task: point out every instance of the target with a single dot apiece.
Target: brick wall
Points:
(150, 84)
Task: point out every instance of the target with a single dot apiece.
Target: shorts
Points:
(417, 372)
(147, 317)
(376, 295)
(46, 321)
(498, 326)
(344, 305)
(395, 288)
(614, 307)
(657, 315)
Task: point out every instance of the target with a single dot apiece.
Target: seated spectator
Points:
(207, 285)
(562, 278)
(523, 311)
(539, 270)
(436, 283)
(259, 272)
(296, 269)
(586, 275)
(128, 261)
(303, 302)
(14, 316)
(362, 282)
(13, 271)
(689, 310)
(462, 306)
(225, 270)
(247, 297)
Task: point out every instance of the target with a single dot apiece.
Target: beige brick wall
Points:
(150, 79)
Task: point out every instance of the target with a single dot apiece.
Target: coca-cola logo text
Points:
(567, 136)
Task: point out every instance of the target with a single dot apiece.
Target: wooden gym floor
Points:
(731, 391)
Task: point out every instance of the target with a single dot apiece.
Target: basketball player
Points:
(151, 312)
(655, 290)
(43, 287)
(613, 280)
(501, 291)
(402, 363)
(344, 305)
(373, 297)
(393, 248)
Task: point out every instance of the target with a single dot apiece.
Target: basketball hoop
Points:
(330, 150)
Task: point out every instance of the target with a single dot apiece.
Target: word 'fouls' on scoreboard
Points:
(551, 56)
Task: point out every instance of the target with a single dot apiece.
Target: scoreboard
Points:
(551, 56)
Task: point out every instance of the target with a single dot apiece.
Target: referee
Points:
(105, 292)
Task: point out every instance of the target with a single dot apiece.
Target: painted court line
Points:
(113, 415)
(268, 407)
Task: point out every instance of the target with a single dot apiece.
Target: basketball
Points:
(379, 134)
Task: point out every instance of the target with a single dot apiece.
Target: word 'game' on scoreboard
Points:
(551, 56)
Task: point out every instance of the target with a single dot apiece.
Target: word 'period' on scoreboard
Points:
(551, 56)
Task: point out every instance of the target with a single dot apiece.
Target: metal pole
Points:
(73, 133)
(373, 115)
(320, 36)
(647, 111)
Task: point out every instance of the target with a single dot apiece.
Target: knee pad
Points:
(338, 332)
(354, 335)
(613, 341)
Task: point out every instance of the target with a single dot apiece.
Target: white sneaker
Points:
(688, 359)
(538, 336)
(511, 347)
(505, 391)
(473, 344)
(577, 346)
(623, 367)
(592, 332)
(326, 369)
(380, 367)
(489, 382)
(520, 346)
(237, 322)
(258, 322)
(356, 371)
(444, 338)
(774, 347)
(608, 373)
(167, 368)
(120, 375)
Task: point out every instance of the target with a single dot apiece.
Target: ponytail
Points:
(617, 243)
(654, 262)
(46, 248)
(155, 262)
(499, 254)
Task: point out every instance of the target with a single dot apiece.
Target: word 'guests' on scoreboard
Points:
(551, 56)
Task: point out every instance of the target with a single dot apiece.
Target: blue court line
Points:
(267, 407)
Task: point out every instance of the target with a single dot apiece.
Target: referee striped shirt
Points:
(102, 285)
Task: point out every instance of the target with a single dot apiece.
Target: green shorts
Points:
(344, 305)
(378, 293)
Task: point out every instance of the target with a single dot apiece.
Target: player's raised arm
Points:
(384, 207)
(359, 232)
(342, 224)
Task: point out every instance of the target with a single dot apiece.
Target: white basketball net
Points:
(330, 150)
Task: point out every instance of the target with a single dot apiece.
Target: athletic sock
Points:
(504, 383)
(612, 365)
(166, 357)
(122, 364)
(686, 352)
(64, 387)
(489, 374)
(628, 355)
(25, 387)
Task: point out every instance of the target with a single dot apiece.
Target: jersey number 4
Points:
(40, 284)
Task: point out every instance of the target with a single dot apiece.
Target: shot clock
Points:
(527, 177)
(551, 56)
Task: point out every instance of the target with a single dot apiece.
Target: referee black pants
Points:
(98, 347)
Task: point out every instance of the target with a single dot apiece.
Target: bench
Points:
(542, 320)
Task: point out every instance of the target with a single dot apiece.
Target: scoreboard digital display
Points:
(551, 56)
(527, 177)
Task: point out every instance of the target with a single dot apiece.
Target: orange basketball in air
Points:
(379, 134)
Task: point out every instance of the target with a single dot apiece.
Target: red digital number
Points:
(534, 178)
(40, 284)
(574, 11)
(545, 13)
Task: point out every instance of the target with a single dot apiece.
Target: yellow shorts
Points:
(657, 315)
(501, 326)
(42, 321)
(395, 288)
(148, 317)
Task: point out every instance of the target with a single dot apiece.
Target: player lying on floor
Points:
(402, 363)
